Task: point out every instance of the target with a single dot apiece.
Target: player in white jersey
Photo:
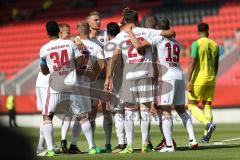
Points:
(59, 58)
(138, 74)
(116, 83)
(41, 94)
(100, 37)
(94, 62)
(171, 86)
(65, 33)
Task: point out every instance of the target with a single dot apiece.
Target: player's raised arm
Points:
(136, 42)
(79, 57)
(167, 33)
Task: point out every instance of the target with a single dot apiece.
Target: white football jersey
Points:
(101, 39)
(109, 48)
(60, 58)
(138, 64)
(95, 51)
(42, 80)
(168, 55)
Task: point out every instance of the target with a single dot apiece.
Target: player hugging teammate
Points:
(125, 68)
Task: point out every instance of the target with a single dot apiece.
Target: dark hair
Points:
(151, 22)
(113, 29)
(203, 27)
(163, 23)
(130, 16)
(52, 28)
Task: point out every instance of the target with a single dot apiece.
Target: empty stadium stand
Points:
(20, 41)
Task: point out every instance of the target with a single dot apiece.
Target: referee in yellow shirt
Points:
(202, 71)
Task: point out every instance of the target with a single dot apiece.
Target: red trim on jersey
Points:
(47, 101)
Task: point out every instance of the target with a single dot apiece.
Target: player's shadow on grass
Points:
(209, 147)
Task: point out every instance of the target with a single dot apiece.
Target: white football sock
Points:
(107, 125)
(119, 124)
(187, 122)
(160, 122)
(87, 130)
(76, 130)
(48, 134)
(129, 125)
(93, 125)
(65, 126)
(145, 125)
(167, 129)
(41, 142)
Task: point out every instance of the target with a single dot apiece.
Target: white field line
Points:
(225, 140)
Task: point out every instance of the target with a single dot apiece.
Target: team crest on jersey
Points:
(102, 40)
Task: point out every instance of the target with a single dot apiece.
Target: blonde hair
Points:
(83, 27)
(93, 13)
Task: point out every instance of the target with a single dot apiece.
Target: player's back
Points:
(93, 50)
(138, 63)
(168, 57)
(59, 54)
(207, 50)
(60, 57)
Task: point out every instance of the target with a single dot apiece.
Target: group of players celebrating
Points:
(124, 68)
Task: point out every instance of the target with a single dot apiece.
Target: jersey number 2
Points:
(130, 50)
(60, 61)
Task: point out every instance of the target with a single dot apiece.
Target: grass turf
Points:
(210, 151)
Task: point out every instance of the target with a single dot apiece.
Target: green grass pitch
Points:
(227, 150)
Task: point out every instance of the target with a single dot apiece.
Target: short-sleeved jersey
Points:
(93, 50)
(137, 63)
(60, 56)
(205, 51)
(42, 80)
(109, 48)
(168, 57)
(101, 39)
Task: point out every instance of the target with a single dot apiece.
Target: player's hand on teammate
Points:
(128, 29)
(126, 9)
(173, 33)
(79, 43)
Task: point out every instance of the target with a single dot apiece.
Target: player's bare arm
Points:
(110, 69)
(191, 66)
(217, 62)
(44, 69)
(136, 42)
(78, 43)
(80, 61)
(168, 33)
(96, 69)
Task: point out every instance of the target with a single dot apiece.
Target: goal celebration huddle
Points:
(125, 68)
